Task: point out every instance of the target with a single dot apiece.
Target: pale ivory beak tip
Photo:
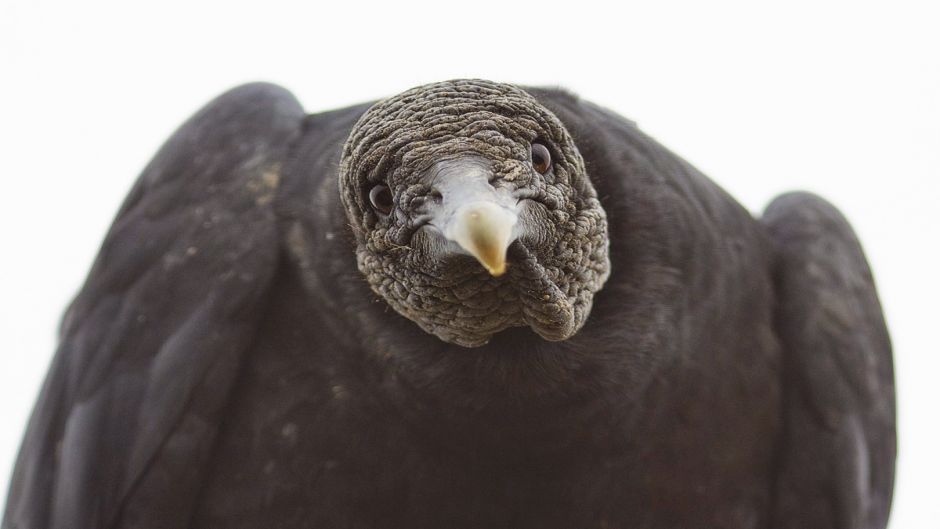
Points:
(484, 230)
(497, 270)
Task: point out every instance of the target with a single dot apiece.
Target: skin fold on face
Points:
(473, 212)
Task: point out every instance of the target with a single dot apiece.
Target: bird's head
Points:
(473, 212)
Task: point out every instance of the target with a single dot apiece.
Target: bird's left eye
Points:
(541, 158)
(381, 198)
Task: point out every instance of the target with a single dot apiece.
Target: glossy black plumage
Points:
(226, 365)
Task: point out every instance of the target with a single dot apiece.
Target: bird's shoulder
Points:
(150, 346)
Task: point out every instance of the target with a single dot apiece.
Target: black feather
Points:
(227, 365)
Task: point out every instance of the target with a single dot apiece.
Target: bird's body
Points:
(227, 366)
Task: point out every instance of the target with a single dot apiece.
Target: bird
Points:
(468, 305)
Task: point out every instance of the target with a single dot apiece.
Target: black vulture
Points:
(470, 305)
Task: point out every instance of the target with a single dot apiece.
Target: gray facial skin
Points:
(477, 240)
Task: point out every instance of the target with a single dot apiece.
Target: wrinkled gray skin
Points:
(256, 346)
(420, 143)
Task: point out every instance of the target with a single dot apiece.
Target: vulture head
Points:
(473, 213)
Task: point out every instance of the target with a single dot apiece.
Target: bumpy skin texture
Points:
(227, 364)
(556, 272)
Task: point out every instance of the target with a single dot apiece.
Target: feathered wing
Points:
(149, 349)
(838, 454)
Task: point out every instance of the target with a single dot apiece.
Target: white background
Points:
(840, 99)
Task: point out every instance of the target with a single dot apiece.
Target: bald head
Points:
(473, 213)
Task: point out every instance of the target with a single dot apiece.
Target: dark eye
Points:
(541, 158)
(381, 199)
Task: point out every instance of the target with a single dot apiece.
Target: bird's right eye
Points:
(381, 198)
(541, 158)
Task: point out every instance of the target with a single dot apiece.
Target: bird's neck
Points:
(517, 392)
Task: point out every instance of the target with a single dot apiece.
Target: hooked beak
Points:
(479, 218)
(484, 230)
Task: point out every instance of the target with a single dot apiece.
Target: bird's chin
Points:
(479, 306)
(544, 307)
(550, 330)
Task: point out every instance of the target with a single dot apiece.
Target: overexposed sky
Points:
(841, 98)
